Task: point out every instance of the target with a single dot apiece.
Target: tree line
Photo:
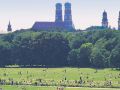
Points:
(98, 49)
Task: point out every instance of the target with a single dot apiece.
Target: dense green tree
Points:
(5, 53)
(115, 57)
(51, 48)
(100, 58)
(77, 41)
(73, 57)
(84, 55)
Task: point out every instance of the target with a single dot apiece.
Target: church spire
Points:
(119, 21)
(9, 29)
(105, 20)
(119, 15)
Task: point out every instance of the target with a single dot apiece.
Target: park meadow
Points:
(52, 78)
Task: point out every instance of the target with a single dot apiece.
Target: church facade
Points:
(66, 24)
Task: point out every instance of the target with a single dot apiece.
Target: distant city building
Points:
(9, 29)
(105, 20)
(67, 24)
(119, 21)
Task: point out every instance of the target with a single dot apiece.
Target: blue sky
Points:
(23, 13)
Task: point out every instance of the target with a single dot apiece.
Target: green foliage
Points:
(84, 55)
(73, 57)
(99, 48)
(115, 57)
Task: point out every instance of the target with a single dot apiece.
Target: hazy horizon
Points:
(24, 13)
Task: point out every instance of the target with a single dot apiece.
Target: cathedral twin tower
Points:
(65, 24)
(67, 17)
(58, 17)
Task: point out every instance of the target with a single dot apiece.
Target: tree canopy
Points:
(99, 49)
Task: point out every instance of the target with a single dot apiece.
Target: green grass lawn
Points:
(50, 88)
(60, 77)
(26, 88)
(92, 89)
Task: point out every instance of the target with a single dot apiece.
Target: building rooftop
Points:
(46, 25)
